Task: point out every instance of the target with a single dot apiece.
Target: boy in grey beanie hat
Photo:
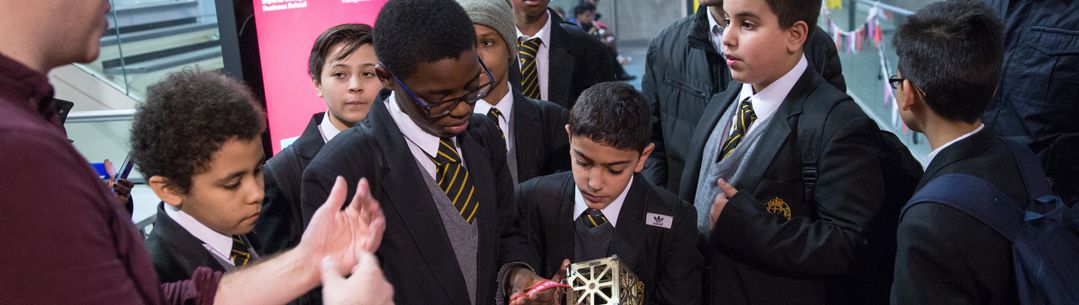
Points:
(497, 15)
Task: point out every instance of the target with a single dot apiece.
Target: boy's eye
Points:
(487, 43)
(368, 74)
(748, 25)
(338, 75)
(615, 172)
(232, 186)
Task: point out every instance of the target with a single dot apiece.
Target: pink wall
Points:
(285, 38)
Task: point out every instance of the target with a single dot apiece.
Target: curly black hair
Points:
(353, 35)
(186, 118)
(612, 114)
(412, 32)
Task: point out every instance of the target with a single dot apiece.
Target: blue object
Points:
(1045, 237)
(99, 167)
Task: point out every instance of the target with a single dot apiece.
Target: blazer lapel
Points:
(629, 235)
(526, 130)
(186, 248)
(560, 65)
(712, 113)
(560, 237)
(401, 180)
(483, 178)
(776, 133)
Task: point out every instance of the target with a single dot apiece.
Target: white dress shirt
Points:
(542, 56)
(767, 101)
(327, 129)
(220, 245)
(422, 144)
(611, 211)
(505, 106)
(932, 154)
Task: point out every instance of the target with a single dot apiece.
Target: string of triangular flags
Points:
(854, 40)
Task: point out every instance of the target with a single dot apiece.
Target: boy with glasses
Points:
(438, 170)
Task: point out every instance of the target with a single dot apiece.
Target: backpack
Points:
(1045, 236)
(871, 281)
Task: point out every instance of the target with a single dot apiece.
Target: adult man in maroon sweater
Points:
(65, 241)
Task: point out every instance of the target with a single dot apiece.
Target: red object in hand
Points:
(539, 287)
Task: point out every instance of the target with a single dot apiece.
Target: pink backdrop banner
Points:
(286, 31)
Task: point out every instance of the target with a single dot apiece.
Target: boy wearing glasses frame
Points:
(438, 170)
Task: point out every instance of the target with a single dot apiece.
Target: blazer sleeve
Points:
(655, 168)
(848, 194)
(679, 279)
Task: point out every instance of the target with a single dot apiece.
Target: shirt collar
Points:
(412, 132)
(544, 33)
(611, 211)
(220, 243)
(767, 101)
(327, 129)
(505, 105)
(929, 158)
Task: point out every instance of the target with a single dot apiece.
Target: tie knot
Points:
(746, 105)
(446, 152)
(494, 113)
(593, 218)
(529, 46)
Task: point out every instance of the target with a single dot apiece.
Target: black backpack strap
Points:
(287, 173)
(287, 170)
(809, 127)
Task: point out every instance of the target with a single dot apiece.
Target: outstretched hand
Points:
(340, 234)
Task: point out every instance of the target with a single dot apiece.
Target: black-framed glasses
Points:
(895, 81)
(446, 105)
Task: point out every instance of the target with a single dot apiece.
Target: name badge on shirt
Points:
(658, 220)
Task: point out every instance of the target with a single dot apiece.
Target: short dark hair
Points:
(411, 32)
(952, 51)
(583, 7)
(612, 114)
(185, 120)
(790, 11)
(353, 35)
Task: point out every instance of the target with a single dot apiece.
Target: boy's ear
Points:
(166, 190)
(797, 36)
(385, 77)
(644, 157)
(318, 87)
(569, 134)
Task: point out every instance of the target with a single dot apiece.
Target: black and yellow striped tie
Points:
(526, 52)
(593, 218)
(240, 255)
(743, 120)
(453, 178)
(495, 116)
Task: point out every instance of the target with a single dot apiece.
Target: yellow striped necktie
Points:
(743, 120)
(526, 52)
(240, 255)
(495, 116)
(453, 178)
(593, 218)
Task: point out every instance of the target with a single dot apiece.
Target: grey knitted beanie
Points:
(497, 15)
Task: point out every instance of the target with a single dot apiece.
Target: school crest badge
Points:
(778, 206)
